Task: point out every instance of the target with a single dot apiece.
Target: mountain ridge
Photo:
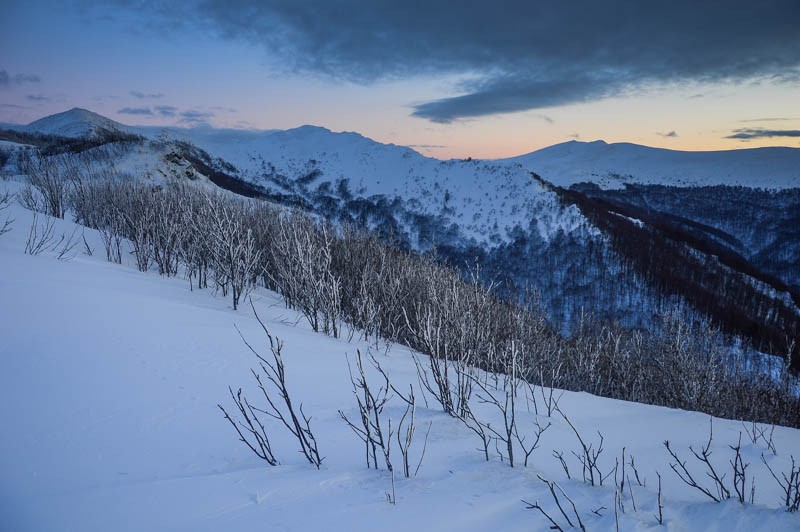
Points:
(610, 165)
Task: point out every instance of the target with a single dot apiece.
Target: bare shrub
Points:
(282, 409)
(718, 491)
(41, 236)
(789, 483)
(47, 175)
(5, 202)
(371, 401)
(568, 516)
(588, 455)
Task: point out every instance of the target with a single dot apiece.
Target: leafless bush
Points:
(282, 409)
(503, 398)
(87, 249)
(370, 428)
(31, 199)
(255, 435)
(660, 516)
(789, 483)
(5, 202)
(405, 433)
(41, 236)
(506, 406)
(756, 433)
(468, 418)
(66, 249)
(588, 456)
(232, 247)
(48, 176)
(718, 491)
(554, 525)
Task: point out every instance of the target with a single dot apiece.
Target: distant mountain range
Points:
(620, 230)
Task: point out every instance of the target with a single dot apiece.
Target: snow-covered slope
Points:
(613, 165)
(109, 381)
(74, 123)
(484, 199)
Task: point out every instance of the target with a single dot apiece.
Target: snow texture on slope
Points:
(614, 165)
(109, 381)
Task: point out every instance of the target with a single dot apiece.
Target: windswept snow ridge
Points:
(615, 165)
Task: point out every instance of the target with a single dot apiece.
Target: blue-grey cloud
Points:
(759, 133)
(517, 54)
(7, 80)
(166, 110)
(140, 111)
(194, 117)
(773, 119)
(146, 95)
(671, 134)
(37, 98)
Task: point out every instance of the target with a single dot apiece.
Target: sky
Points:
(450, 79)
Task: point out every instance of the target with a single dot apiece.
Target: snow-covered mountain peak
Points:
(616, 164)
(74, 123)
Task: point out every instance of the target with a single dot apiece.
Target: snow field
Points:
(108, 391)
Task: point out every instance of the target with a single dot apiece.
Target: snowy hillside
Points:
(74, 123)
(109, 381)
(497, 215)
(614, 165)
(483, 198)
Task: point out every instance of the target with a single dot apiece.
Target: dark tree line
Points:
(712, 278)
(49, 145)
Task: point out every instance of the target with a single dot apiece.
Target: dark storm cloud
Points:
(141, 111)
(758, 133)
(7, 80)
(518, 54)
(145, 95)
